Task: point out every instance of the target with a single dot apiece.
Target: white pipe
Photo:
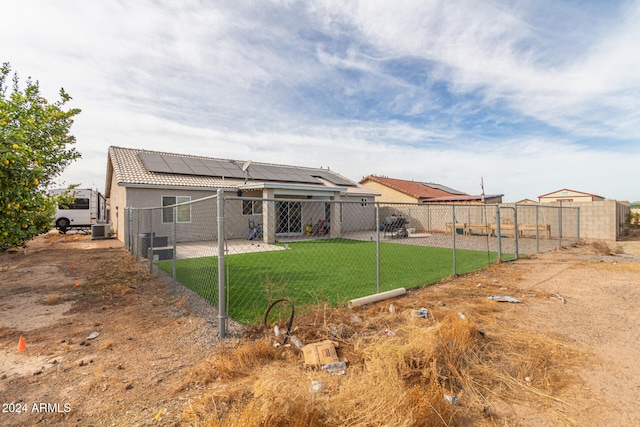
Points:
(377, 297)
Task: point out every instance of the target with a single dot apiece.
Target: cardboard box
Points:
(320, 353)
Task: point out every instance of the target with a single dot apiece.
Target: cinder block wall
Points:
(601, 220)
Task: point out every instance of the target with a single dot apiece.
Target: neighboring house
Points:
(526, 202)
(566, 195)
(142, 179)
(394, 190)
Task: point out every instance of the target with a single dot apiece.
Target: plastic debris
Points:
(423, 312)
(451, 399)
(461, 315)
(93, 335)
(316, 387)
(294, 339)
(335, 368)
(387, 332)
(503, 298)
(276, 331)
(392, 308)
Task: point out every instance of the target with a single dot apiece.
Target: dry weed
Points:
(403, 379)
(54, 299)
(602, 248)
(183, 303)
(107, 345)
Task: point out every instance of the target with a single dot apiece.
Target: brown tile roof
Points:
(129, 169)
(416, 189)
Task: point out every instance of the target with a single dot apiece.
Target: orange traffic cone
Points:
(22, 346)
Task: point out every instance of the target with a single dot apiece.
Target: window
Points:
(77, 203)
(184, 211)
(252, 207)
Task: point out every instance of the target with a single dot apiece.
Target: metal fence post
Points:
(377, 248)
(498, 233)
(138, 237)
(222, 306)
(454, 231)
(560, 225)
(578, 222)
(537, 231)
(515, 228)
(128, 228)
(175, 249)
(151, 241)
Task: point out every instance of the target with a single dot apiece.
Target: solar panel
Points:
(173, 160)
(331, 177)
(166, 163)
(157, 167)
(181, 169)
(192, 162)
(152, 157)
(200, 170)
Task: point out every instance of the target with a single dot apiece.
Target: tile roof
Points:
(129, 169)
(416, 189)
(573, 191)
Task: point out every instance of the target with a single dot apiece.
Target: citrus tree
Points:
(35, 147)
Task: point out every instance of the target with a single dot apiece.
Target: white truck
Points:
(85, 209)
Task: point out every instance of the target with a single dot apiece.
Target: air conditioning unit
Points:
(100, 231)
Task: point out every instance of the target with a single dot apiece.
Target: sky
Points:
(526, 96)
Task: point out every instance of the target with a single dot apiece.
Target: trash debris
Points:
(335, 368)
(295, 341)
(276, 331)
(392, 309)
(461, 315)
(441, 304)
(316, 387)
(423, 312)
(504, 288)
(386, 332)
(451, 399)
(93, 335)
(479, 285)
(503, 298)
(320, 353)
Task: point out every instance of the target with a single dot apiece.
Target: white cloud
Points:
(533, 96)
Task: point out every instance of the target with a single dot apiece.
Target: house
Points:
(566, 195)
(393, 190)
(138, 178)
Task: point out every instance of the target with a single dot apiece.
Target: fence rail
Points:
(241, 253)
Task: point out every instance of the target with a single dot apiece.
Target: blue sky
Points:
(532, 96)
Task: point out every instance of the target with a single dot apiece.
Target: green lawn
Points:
(332, 270)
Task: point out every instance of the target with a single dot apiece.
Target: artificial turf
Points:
(330, 270)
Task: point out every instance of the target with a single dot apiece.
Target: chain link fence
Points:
(240, 254)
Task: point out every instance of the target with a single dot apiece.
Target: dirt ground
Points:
(64, 289)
